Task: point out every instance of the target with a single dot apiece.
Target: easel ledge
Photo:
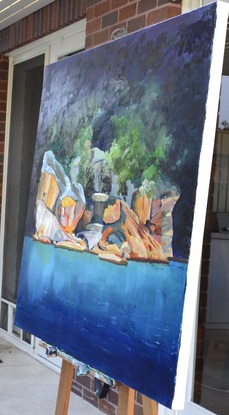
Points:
(126, 395)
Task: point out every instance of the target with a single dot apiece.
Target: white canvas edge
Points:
(205, 163)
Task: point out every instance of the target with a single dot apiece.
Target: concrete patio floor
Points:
(27, 387)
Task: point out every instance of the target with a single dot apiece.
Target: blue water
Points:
(122, 320)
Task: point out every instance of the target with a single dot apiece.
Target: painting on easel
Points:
(107, 252)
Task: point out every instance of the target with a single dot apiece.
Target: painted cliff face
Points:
(115, 175)
(103, 224)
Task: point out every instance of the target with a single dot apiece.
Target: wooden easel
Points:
(69, 364)
(125, 399)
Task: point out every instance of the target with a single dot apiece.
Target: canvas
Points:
(108, 272)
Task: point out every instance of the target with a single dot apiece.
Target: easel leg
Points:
(125, 400)
(150, 407)
(64, 390)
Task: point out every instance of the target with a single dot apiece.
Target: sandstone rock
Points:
(64, 199)
(141, 205)
(112, 213)
(114, 249)
(42, 239)
(78, 246)
(69, 212)
(112, 258)
(108, 227)
(48, 190)
(47, 225)
(125, 250)
(161, 223)
(52, 166)
(103, 241)
(48, 229)
(86, 218)
(140, 244)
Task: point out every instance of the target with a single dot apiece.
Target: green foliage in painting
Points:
(129, 156)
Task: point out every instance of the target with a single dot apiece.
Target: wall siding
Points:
(53, 17)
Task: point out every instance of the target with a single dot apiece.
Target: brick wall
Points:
(103, 17)
(3, 94)
(84, 387)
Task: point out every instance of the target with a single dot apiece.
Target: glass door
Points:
(27, 86)
(208, 382)
(211, 389)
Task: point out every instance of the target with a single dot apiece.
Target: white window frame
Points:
(191, 408)
(188, 5)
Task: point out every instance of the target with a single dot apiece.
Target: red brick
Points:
(202, 316)
(2, 106)
(136, 24)
(199, 365)
(101, 37)
(89, 41)
(138, 410)
(3, 95)
(92, 2)
(199, 348)
(106, 407)
(116, 4)
(2, 117)
(127, 12)
(90, 397)
(146, 5)
(139, 397)
(3, 58)
(4, 65)
(2, 127)
(113, 396)
(205, 266)
(77, 389)
(203, 300)
(2, 137)
(93, 26)
(109, 19)
(84, 381)
(206, 251)
(3, 85)
(204, 282)
(162, 14)
(102, 8)
(90, 13)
